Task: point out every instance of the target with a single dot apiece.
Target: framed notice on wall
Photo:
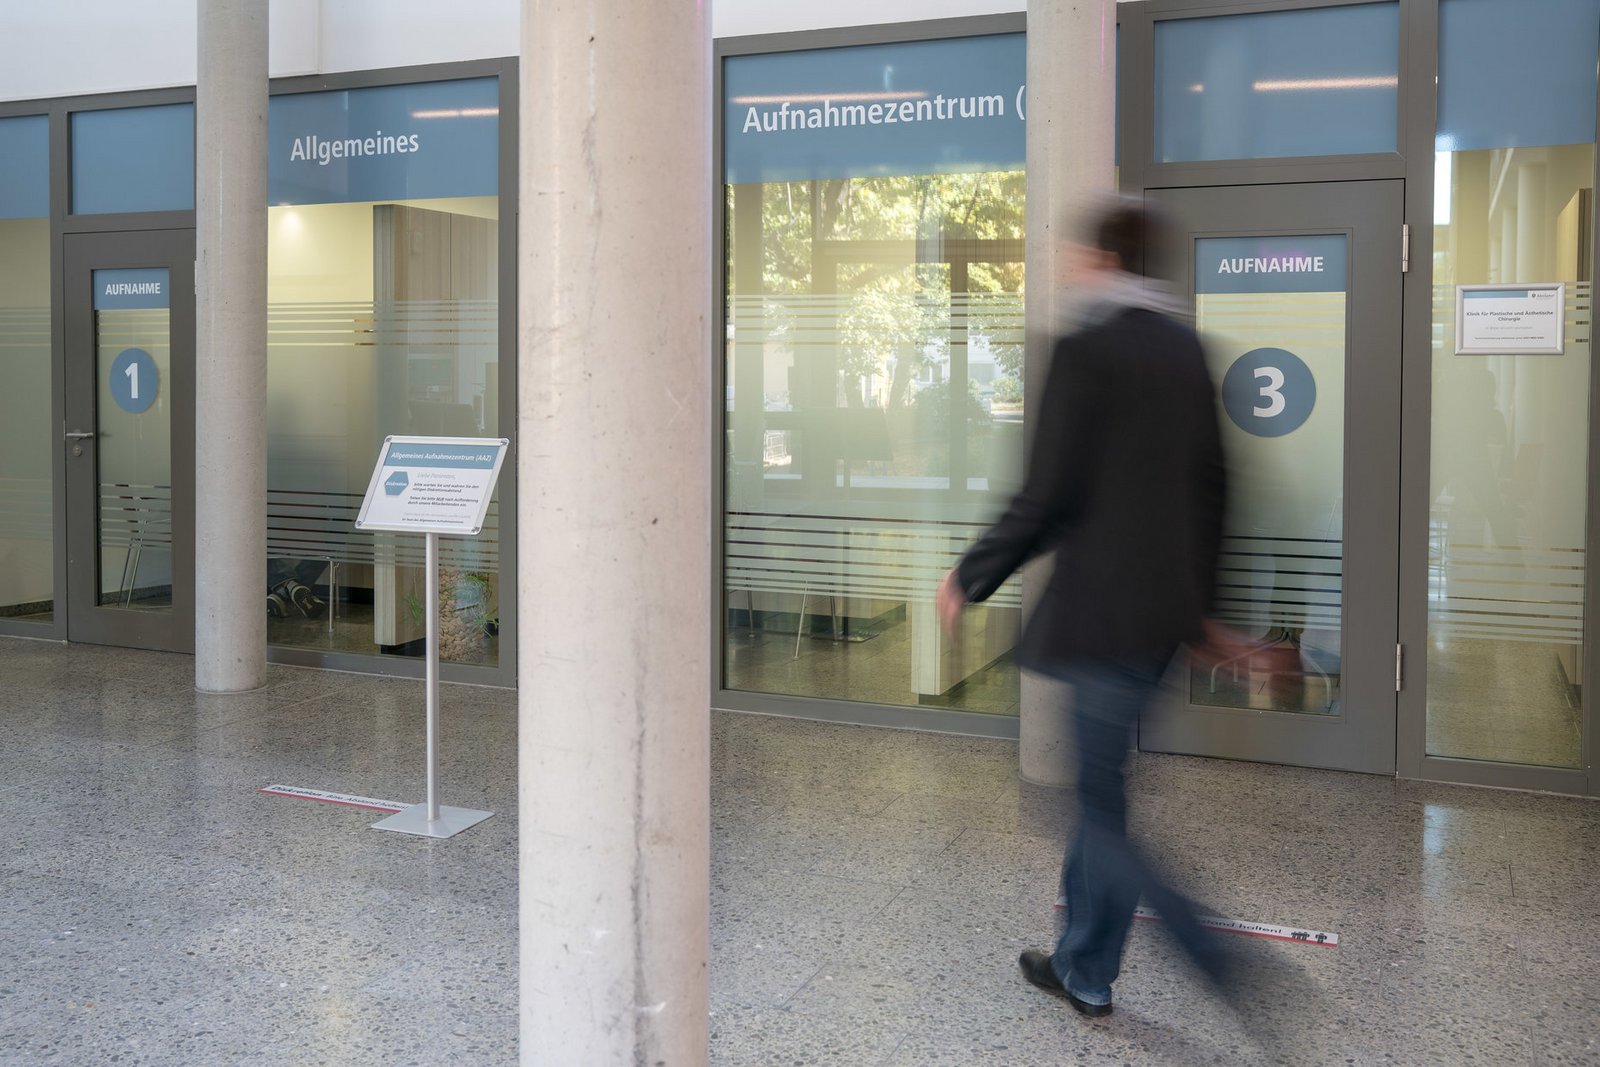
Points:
(1521, 319)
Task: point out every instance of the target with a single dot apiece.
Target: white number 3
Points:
(1272, 391)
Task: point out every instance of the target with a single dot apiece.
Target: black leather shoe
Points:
(1037, 970)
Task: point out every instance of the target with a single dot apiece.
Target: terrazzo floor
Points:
(1502, 700)
(870, 892)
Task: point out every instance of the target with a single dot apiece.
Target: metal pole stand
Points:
(431, 819)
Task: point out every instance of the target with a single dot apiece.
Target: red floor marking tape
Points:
(1298, 934)
(325, 797)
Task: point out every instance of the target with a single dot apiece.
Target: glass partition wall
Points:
(873, 369)
(874, 425)
(383, 319)
(27, 511)
(27, 491)
(1514, 220)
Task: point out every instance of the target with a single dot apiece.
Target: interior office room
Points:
(685, 764)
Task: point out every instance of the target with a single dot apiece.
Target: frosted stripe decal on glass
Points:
(848, 555)
(318, 461)
(1529, 587)
(886, 550)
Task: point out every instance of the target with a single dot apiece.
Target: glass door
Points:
(129, 438)
(1296, 292)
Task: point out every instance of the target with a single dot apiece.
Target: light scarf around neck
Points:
(1120, 291)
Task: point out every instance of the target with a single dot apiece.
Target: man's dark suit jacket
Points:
(1126, 482)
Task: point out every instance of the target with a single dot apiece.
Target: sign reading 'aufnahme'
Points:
(1302, 263)
(432, 484)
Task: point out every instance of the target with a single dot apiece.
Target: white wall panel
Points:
(294, 32)
(67, 47)
(71, 47)
(738, 18)
(372, 34)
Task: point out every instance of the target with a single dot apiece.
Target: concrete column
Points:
(230, 388)
(1072, 57)
(614, 530)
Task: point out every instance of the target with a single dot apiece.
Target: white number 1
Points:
(133, 376)
(1275, 401)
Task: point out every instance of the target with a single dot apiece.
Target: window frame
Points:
(818, 708)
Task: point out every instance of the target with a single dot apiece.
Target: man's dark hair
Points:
(1135, 234)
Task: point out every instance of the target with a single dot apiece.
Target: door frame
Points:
(825, 709)
(1413, 160)
(1418, 122)
(1362, 736)
(82, 255)
(63, 223)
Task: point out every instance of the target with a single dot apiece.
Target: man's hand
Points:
(949, 602)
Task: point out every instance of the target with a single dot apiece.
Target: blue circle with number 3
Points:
(134, 380)
(1269, 392)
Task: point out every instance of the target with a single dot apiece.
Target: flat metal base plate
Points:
(414, 820)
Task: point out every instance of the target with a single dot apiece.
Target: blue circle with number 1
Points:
(134, 380)
(1269, 392)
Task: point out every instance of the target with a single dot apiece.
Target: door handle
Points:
(77, 435)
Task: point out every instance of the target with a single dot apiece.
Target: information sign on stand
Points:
(432, 486)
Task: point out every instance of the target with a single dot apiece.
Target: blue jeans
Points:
(1103, 876)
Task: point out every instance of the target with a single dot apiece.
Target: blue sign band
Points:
(391, 142)
(916, 107)
(1299, 264)
(25, 167)
(140, 287)
(459, 457)
(133, 159)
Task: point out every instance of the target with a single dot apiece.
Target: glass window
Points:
(1514, 74)
(383, 318)
(1282, 567)
(1313, 82)
(133, 159)
(873, 366)
(133, 411)
(27, 492)
(1509, 485)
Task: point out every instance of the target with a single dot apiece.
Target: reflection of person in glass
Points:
(1125, 483)
(289, 589)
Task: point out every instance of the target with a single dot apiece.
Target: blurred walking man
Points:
(1125, 484)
